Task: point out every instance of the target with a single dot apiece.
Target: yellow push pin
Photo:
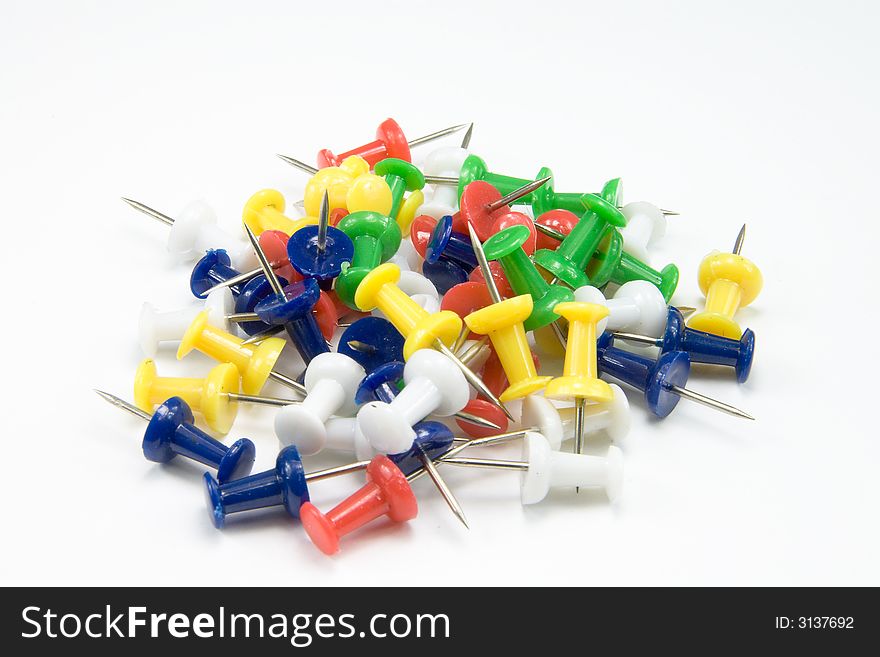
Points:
(350, 186)
(254, 362)
(420, 329)
(503, 323)
(213, 396)
(580, 373)
(730, 282)
(265, 211)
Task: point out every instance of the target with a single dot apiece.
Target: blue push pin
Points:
(371, 342)
(320, 251)
(701, 347)
(444, 274)
(172, 431)
(292, 309)
(214, 269)
(663, 380)
(449, 245)
(287, 483)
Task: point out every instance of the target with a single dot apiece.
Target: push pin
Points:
(371, 342)
(195, 230)
(376, 238)
(543, 469)
(614, 264)
(433, 385)
(172, 431)
(637, 306)
(434, 240)
(331, 382)
(402, 176)
(569, 261)
(663, 380)
(444, 162)
(254, 363)
(503, 321)
(422, 330)
(524, 278)
(291, 307)
(730, 282)
(155, 327)
(387, 492)
(558, 424)
(265, 211)
(390, 142)
(213, 271)
(580, 376)
(645, 224)
(384, 385)
(321, 251)
(700, 347)
(213, 396)
(488, 211)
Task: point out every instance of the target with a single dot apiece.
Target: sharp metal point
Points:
(235, 280)
(124, 405)
(635, 337)
(580, 406)
(549, 232)
(302, 166)
(323, 222)
(466, 141)
(150, 212)
(437, 135)
(708, 401)
(459, 341)
(476, 419)
(517, 194)
(362, 347)
(477, 246)
(262, 335)
(242, 317)
(740, 238)
(447, 495)
(290, 383)
(670, 213)
(258, 399)
(265, 265)
(472, 378)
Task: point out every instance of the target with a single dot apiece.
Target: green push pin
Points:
(475, 168)
(612, 264)
(506, 247)
(401, 177)
(376, 238)
(569, 261)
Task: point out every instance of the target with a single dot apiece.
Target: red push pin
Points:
(484, 207)
(387, 492)
(553, 226)
(390, 142)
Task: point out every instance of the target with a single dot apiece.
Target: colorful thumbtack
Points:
(155, 326)
(484, 207)
(730, 282)
(265, 211)
(376, 238)
(637, 306)
(645, 224)
(195, 230)
(401, 176)
(390, 142)
(663, 380)
(443, 162)
(331, 381)
(320, 251)
(172, 431)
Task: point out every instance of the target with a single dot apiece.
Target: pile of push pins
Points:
(443, 298)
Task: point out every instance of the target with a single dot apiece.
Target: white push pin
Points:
(542, 416)
(407, 258)
(433, 386)
(612, 418)
(331, 382)
(445, 162)
(636, 307)
(543, 468)
(344, 435)
(160, 326)
(645, 224)
(194, 231)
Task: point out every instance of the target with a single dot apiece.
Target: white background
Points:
(754, 111)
